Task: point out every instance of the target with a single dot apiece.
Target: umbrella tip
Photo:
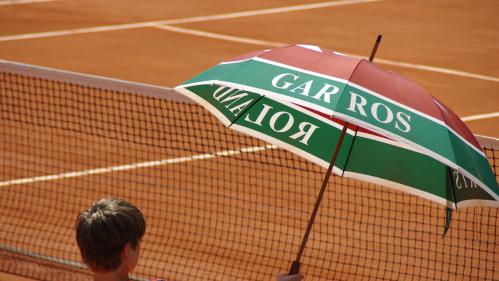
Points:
(375, 48)
(448, 218)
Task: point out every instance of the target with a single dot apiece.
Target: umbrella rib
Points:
(350, 151)
(244, 111)
(454, 198)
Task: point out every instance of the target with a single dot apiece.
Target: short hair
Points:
(103, 230)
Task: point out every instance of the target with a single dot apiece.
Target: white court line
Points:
(275, 10)
(481, 116)
(133, 166)
(438, 69)
(184, 20)
(148, 164)
(240, 39)
(278, 44)
(14, 2)
(220, 36)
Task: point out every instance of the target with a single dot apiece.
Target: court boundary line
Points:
(134, 166)
(267, 11)
(240, 14)
(480, 116)
(207, 34)
(246, 40)
(483, 140)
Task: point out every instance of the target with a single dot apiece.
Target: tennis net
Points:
(219, 205)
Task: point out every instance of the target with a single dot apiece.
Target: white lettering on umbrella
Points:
(305, 87)
(375, 111)
(219, 94)
(463, 182)
(286, 80)
(231, 100)
(285, 85)
(380, 112)
(286, 127)
(327, 90)
(304, 131)
(357, 101)
(260, 117)
(306, 134)
(404, 119)
(238, 108)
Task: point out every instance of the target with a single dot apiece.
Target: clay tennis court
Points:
(449, 48)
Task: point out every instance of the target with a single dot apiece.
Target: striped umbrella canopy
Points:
(386, 129)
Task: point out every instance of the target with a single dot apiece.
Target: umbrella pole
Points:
(375, 48)
(295, 266)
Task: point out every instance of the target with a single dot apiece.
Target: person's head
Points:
(109, 233)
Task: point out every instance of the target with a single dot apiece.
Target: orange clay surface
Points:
(458, 35)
